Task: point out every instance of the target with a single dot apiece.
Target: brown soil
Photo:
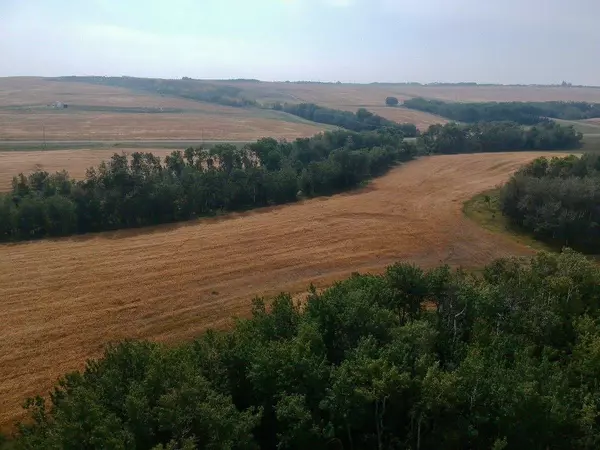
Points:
(63, 300)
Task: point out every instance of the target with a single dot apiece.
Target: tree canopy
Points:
(524, 113)
(497, 136)
(411, 359)
(558, 200)
(143, 189)
(362, 120)
(391, 101)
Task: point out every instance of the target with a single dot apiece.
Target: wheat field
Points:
(64, 299)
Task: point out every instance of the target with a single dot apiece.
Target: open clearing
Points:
(73, 161)
(64, 299)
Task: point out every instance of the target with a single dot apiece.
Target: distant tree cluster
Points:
(362, 120)
(558, 200)
(143, 190)
(391, 101)
(524, 113)
(497, 136)
(411, 359)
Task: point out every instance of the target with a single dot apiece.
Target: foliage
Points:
(411, 359)
(144, 190)
(362, 120)
(558, 200)
(524, 113)
(391, 101)
(497, 136)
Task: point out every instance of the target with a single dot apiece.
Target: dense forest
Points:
(524, 113)
(558, 200)
(144, 190)
(497, 136)
(411, 359)
(362, 120)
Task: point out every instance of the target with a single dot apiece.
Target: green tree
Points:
(391, 101)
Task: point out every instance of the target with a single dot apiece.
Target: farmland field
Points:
(99, 112)
(73, 161)
(238, 125)
(66, 298)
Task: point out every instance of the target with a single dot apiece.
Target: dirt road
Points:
(62, 300)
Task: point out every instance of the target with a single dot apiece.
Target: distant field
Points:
(404, 115)
(101, 112)
(238, 124)
(30, 91)
(66, 298)
(503, 93)
(74, 161)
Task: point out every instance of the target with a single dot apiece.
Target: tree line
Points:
(497, 136)
(558, 200)
(144, 189)
(362, 120)
(411, 359)
(524, 113)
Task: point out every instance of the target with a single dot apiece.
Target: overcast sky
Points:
(504, 41)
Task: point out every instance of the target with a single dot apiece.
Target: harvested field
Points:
(404, 115)
(236, 124)
(27, 91)
(23, 115)
(503, 93)
(64, 299)
(73, 161)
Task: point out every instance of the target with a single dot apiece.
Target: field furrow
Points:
(64, 299)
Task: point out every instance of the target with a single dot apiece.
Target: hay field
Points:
(239, 124)
(35, 91)
(73, 161)
(503, 93)
(64, 299)
(22, 116)
(404, 115)
(357, 95)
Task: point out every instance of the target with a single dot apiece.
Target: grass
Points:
(485, 210)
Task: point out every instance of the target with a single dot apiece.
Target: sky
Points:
(486, 41)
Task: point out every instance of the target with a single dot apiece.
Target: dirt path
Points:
(62, 300)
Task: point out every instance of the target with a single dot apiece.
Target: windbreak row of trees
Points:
(524, 113)
(362, 120)
(144, 189)
(497, 136)
(411, 359)
(558, 200)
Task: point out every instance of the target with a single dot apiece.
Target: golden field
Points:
(64, 299)
(73, 161)
(24, 114)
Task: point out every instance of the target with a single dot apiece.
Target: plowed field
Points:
(62, 300)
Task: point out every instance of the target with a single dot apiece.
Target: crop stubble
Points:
(64, 299)
(76, 162)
